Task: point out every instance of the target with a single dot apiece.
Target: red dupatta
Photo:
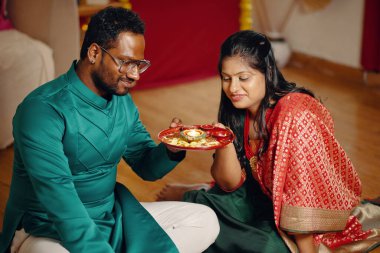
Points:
(312, 182)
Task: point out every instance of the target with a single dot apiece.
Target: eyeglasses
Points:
(130, 65)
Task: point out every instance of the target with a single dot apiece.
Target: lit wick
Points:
(193, 133)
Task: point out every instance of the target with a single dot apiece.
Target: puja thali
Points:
(196, 137)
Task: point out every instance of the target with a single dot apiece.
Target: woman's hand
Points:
(305, 243)
(217, 124)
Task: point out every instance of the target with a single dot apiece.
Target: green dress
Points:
(245, 217)
(68, 143)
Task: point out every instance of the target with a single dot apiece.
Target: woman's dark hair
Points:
(107, 24)
(256, 50)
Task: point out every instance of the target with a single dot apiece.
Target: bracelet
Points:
(242, 180)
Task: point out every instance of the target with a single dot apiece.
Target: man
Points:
(70, 134)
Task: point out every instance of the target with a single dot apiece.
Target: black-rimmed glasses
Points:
(130, 65)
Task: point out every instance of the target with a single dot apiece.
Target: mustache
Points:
(127, 79)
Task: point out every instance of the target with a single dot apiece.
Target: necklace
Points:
(253, 163)
(250, 146)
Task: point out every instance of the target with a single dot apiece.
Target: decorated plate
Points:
(196, 137)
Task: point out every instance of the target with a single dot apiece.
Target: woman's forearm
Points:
(226, 169)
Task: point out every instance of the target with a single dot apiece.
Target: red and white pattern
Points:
(305, 166)
(352, 232)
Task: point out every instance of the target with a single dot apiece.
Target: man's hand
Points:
(176, 122)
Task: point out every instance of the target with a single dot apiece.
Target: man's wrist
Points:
(176, 156)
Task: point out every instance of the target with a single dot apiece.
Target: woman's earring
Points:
(270, 73)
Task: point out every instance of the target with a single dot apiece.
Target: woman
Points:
(285, 184)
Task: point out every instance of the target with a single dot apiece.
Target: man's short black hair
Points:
(107, 24)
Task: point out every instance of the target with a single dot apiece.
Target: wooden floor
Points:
(354, 107)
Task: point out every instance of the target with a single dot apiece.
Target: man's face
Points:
(108, 76)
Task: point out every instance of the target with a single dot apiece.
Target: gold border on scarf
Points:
(308, 219)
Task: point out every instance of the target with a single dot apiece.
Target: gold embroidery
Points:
(253, 160)
(253, 163)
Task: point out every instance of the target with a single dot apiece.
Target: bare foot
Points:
(175, 192)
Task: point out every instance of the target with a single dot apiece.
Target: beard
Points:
(108, 90)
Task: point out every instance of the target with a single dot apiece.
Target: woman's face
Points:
(243, 85)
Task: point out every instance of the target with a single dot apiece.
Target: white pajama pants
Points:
(192, 227)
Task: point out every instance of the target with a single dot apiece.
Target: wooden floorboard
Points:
(354, 107)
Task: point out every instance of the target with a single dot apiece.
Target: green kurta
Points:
(68, 143)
